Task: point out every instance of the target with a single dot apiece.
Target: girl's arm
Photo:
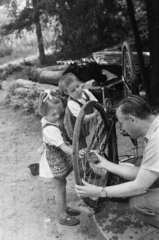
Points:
(68, 150)
(65, 148)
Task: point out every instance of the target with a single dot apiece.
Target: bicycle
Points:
(129, 78)
(101, 135)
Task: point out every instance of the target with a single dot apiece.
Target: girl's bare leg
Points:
(60, 198)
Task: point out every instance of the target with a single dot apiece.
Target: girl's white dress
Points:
(54, 137)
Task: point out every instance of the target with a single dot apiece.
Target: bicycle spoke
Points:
(95, 132)
(128, 69)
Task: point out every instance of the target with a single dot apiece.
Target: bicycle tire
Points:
(97, 139)
(130, 80)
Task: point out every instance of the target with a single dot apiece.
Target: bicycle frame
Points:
(111, 114)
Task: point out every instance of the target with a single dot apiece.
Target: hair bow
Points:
(48, 95)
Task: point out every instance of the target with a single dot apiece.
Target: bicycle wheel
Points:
(130, 80)
(95, 134)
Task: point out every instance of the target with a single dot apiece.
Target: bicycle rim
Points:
(98, 137)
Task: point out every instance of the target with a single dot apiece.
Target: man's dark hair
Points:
(135, 105)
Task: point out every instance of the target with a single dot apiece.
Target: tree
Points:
(90, 26)
(5, 2)
(36, 20)
(29, 18)
(153, 24)
(150, 81)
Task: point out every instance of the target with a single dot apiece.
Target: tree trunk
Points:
(153, 24)
(39, 33)
(40, 43)
(145, 80)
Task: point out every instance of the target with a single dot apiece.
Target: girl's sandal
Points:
(72, 212)
(69, 220)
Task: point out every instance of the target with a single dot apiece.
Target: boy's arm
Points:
(74, 108)
(91, 96)
(88, 117)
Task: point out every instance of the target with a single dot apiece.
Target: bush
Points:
(5, 52)
(13, 87)
(3, 75)
(7, 99)
(31, 106)
(24, 98)
(4, 72)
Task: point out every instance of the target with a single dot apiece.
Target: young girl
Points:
(78, 96)
(56, 155)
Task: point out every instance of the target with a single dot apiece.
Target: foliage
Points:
(89, 26)
(13, 87)
(27, 100)
(4, 72)
(31, 106)
(30, 18)
(27, 18)
(7, 99)
(142, 23)
(6, 51)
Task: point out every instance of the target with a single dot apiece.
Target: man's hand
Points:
(88, 190)
(102, 162)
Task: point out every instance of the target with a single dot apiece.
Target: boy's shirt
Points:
(75, 107)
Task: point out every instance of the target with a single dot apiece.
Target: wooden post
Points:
(153, 19)
(138, 45)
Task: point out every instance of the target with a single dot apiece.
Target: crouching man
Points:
(137, 119)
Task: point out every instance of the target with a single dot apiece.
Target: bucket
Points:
(34, 168)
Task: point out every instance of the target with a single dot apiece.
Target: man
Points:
(137, 119)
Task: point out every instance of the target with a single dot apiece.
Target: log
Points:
(34, 86)
(33, 74)
(51, 77)
(56, 68)
(43, 75)
(40, 87)
(26, 83)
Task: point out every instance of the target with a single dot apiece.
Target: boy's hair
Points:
(66, 80)
(136, 106)
(47, 102)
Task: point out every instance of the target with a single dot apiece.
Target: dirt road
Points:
(27, 203)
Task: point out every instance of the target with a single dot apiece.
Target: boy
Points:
(78, 96)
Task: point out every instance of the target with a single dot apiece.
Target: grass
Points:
(14, 47)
